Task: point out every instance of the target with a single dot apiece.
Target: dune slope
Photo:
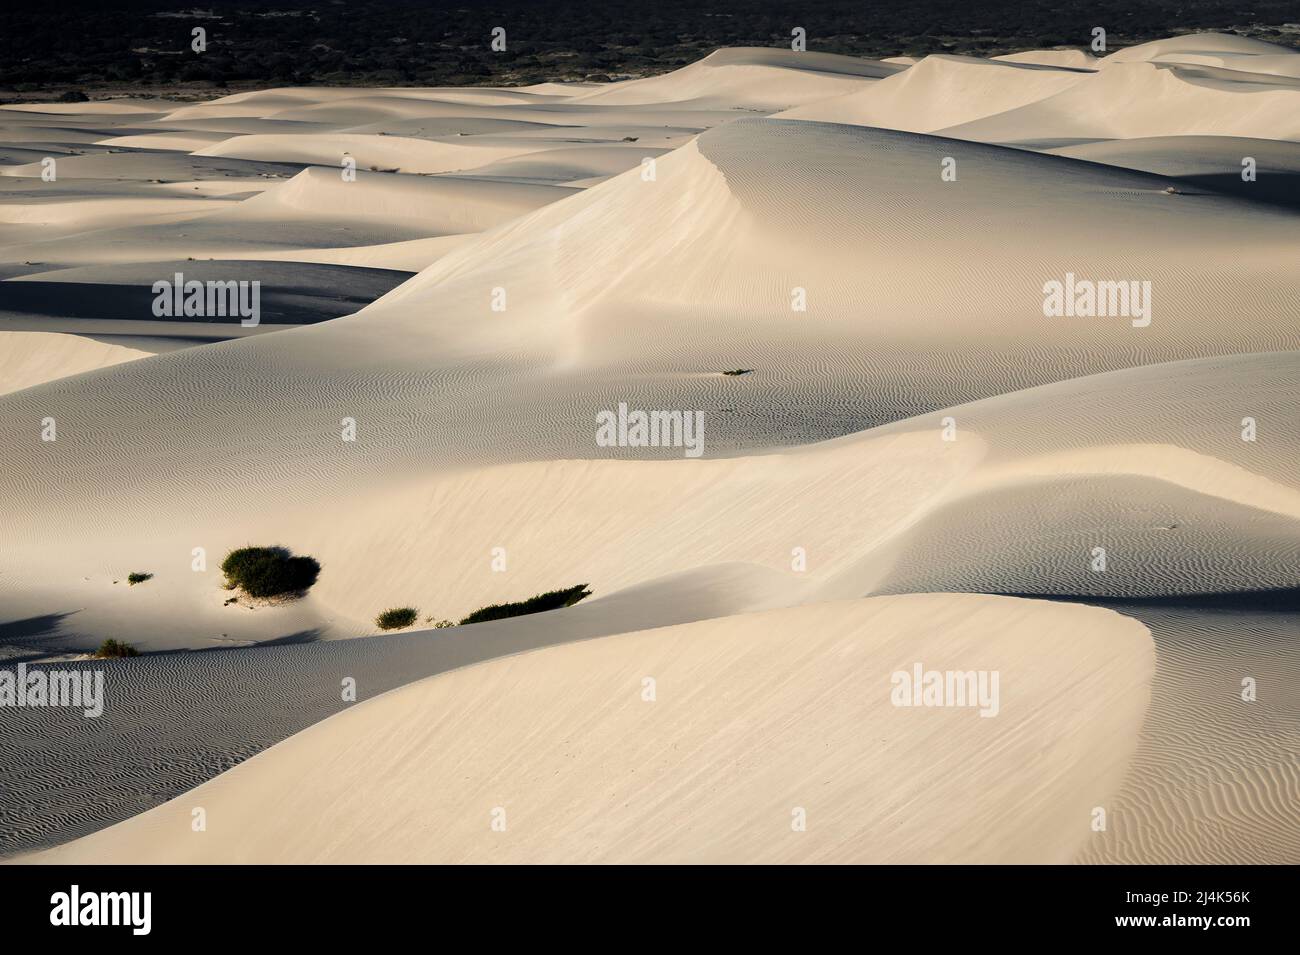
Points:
(751, 749)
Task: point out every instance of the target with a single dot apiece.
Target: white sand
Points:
(754, 717)
(29, 358)
(943, 91)
(651, 235)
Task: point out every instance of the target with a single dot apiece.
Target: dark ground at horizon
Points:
(144, 45)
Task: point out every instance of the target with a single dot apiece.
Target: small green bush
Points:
(396, 618)
(551, 600)
(269, 571)
(110, 649)
(137, 577)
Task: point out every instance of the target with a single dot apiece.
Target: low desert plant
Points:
(138, 577)
(551, 600)
(110, 649)
(395, 618)
(269, 571)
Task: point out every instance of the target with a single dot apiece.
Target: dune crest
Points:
(770, 738)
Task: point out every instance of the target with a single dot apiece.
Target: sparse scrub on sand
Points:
(112, 649)
(269, 571)
(551, 600)
(395, 618)
(138, 577)
(439, 625)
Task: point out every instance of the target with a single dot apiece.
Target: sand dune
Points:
(179, 142)
(31, 358)
(1215, 778)
(889, 504)
(441, 205)
(109, 108)
(568, 314)
(1127, 100)
(1224, 48)
(181, 718)
(748, 77)
(666, 780)
(842, 266)
(370, 152)
(1072, 59)
(1207, 84)
(943, 91)
(911, 226)
(137, 187)
(1212, 162)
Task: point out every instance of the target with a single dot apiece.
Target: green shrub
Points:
(269, 571)
(552, 600)
(115, 648)
(396, 618)
(137, 577)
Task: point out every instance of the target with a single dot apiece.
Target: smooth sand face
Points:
(910, 420)
(30, 358)
(753, 728)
